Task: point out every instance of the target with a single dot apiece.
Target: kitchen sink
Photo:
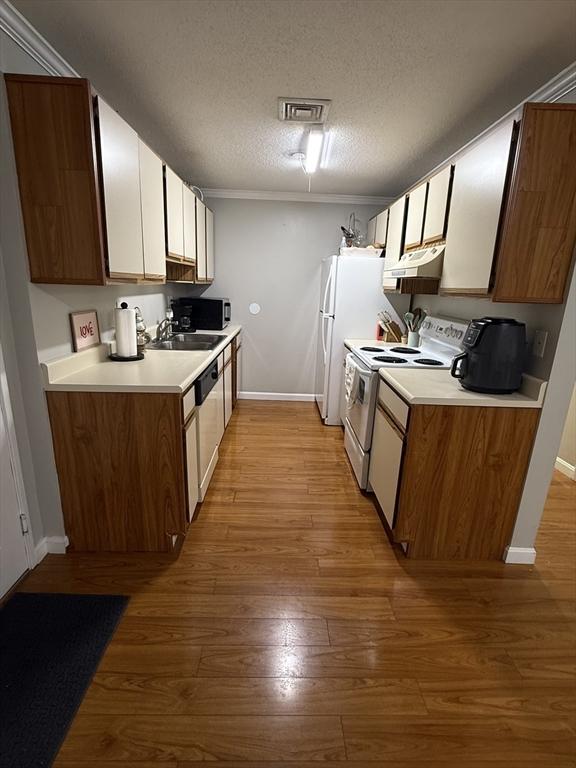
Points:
(189, 342)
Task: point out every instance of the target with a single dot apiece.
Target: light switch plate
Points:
(539, 343)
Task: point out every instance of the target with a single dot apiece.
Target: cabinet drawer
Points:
(188, 403)
(393, 403)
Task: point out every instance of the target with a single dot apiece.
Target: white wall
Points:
(269, 252)
(567, 451)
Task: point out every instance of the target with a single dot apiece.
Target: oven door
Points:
(361, 402)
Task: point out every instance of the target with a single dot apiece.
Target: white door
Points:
(227, 393)
(121, 182)
(192, 464)
(201, 272)
(415, 219)
(437, 205)
(152, 206)
(189, 199)
(385, 462)
(174, 214)
(13, 557)
(394, 238)
(477, 193)
(381, 232)
(209, 244)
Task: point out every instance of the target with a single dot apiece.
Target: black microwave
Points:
(191, 314)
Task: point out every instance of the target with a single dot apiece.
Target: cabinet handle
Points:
(390, 419)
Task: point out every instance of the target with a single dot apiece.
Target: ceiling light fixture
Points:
(314, 145)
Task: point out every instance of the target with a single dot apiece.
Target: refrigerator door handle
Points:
(324, 326)
(327, 289)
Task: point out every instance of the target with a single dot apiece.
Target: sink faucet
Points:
(163, 329)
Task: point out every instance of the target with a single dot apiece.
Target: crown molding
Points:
(23, 33)
(296, 197)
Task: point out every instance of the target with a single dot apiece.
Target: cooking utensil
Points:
(409, 320)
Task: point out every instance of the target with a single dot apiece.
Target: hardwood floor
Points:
(290, 630)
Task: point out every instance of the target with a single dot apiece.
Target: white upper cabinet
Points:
(477, 194)
(174, 214)
(152, 206)
(395, 239)
(437, 205)
(201, 272)
(381, 230)
(121, 184)
(209, 244)
(189, 224)
(415, 220)
(371, 231)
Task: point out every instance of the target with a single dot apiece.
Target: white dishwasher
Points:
(385, 461)
(209, 390)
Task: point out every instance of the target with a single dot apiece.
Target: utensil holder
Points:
(413, 339)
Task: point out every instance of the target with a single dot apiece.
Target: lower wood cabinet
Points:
(450, 482)
(132, 467)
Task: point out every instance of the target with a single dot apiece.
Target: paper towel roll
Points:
(125, 323)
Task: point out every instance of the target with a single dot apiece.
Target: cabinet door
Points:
(238, 373)
(436, 217)
(415, 220)
(394, 239)
(371, 232)
(189, 199)
(121, 182)
(201, 272)
(381, 230)
(477, 194)
(152, 207)
(192, 465)
(228, 383)
(539, 230)
(174, 214)
(385, 461)
(209, 244)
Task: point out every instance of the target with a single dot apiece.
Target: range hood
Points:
(425, 262)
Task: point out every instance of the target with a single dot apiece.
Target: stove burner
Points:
(371, 349)
(405, 350)
(388, 359)
(428, 361)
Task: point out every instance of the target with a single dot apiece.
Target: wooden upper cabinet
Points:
(477, 195)
(174, 215)
(55, 151)
(189, 224)
(371, 231)
(121, 183)
(539, 231)
(209, 244)
(395, 237)
(415, 219)
(381, 230)
(201, 266)
(152, 205)
(437, 205)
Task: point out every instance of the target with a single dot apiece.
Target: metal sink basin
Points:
(189, 342)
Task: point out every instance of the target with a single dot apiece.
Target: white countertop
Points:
(161, 370)
(438, 387)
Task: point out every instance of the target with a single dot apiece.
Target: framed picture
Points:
(85, 330)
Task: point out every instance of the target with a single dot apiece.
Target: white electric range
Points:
(440, 341)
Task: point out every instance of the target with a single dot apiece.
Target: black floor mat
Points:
(50, 647)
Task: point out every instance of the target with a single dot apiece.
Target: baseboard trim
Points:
(50, 545)
(567, 469)
(520, 555)
(276, 396)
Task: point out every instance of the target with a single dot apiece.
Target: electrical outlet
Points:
(539, 343)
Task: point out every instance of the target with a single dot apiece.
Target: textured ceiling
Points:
(411, 81)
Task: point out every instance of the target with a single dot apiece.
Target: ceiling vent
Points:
(303, 110)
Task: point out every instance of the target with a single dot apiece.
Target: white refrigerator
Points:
(350, 298)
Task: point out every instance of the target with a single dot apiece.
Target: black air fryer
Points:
(493, 357)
